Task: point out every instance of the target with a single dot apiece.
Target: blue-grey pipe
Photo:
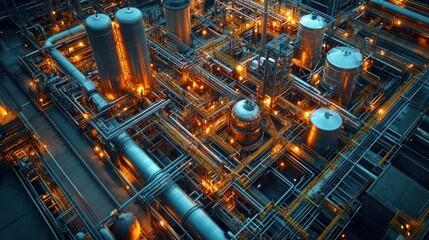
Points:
(96, 98)
(191, 215)
(395, 9)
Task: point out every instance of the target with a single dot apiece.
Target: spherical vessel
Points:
(136, 53)
(311, 31)
(126, 227)
(342, 69)
(178, 19)
(325, 125)
(101, 38)
(245, 122)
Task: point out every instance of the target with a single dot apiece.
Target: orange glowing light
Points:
(307, 114)
(140, 89)
(101, 154)
(239, 68)
(81, 44)
(240, 78)
(267, 101)
(399, 22)
(282, 164)
(296, 149)
(381, 111)
(204, 32)
(41, 100)
(3, 111)
(162, 223)
(85, 116)
(97, 148)
(110, 96)
(231, 140)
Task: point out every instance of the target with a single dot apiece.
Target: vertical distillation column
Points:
(131, 30)
(310, 37)
(100, 34)
(178, 19)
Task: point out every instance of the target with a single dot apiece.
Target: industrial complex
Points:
(214, 119)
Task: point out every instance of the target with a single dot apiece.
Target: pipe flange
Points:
(189, 213)
(154, 176)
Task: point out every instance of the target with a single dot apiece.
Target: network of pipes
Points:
(214, 119)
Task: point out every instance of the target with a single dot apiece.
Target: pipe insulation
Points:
(395, 9)
(182, 207)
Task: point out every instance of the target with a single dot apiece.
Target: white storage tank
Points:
(343, 68)
(325, 125)
(178, 19)
(311, 32)
(245, 122)
(131, 29)
(101, 38)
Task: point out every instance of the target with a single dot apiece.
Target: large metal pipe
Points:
(406, 13)
(183, 208)
(96, 98)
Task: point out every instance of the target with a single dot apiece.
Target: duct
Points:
(191, 215)
(405, 13)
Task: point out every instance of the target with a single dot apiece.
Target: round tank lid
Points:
(176, 4)
(98, 21)
(126, 227)
(312, 21)
(246, 110)
(128, 15)
(345, 57)
(326, 119)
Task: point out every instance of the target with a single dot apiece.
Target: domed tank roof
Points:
(126, 227)
(98, 21)
(79, 236)
(246, 110)
(345, 57)
(326, 119)
(175, 4)
(312, 21)
(128, 15)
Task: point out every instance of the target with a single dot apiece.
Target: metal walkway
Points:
(86, 189)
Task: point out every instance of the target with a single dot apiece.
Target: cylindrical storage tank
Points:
(136, 53)
(342, 69)
(102, 40)
(126, 227)
(311, 32)
(325, 125)
(178, 19)
(245, 122)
